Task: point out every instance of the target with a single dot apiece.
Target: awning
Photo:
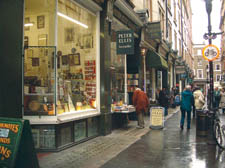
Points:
(154, 60)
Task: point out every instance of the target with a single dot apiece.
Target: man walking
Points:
(140, 101)
(187, 101)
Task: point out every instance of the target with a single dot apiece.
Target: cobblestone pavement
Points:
(99, 150)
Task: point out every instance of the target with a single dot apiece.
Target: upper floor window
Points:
(218, 77)
(199, 62)
(217, 67)
(199, 52)
(200, 73)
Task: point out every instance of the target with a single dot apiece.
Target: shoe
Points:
(140, 127)
(181, 127)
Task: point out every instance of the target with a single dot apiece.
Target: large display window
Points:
(60, 58)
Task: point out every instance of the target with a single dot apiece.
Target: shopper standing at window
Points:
(141, 102)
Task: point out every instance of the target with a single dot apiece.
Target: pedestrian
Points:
(141, 102)
(216, 97)
(164, 100)
(193, 107)
(199, 99)
(222, 100)
(172, 97)
(187, 101)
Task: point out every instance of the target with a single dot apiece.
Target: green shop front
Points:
(61, 74)
(125, 62)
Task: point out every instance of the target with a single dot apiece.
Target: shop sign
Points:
(153, 31)
(183, 76)
(156, 117)
(125, 42)
(16, 144)
(180, 69)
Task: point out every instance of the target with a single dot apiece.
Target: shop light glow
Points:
(72, 20)
(28, 24)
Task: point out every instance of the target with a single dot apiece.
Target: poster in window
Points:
(69, 34)
(42, 40)
(65, 60)
(88, 41)
(41, 22)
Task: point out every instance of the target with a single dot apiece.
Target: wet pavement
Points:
(130, 147)
(170, 148)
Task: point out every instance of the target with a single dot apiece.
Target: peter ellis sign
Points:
(125, 42)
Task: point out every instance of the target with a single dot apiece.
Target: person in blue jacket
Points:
(187, 101)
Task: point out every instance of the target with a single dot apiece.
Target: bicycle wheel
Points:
(219, 134)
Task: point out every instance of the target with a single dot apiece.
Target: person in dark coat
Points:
(187, 101)
(141, 102)
(164, 100)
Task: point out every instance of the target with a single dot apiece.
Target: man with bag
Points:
(141, 102)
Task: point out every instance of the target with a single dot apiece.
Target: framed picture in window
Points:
(65, 60)
(69, 34)
(88, 41)
(35, 62)
(41, 22)
(74, 59)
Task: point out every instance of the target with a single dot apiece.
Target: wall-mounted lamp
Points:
(143, 51)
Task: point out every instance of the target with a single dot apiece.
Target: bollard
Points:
(201, 123)
(210, 137)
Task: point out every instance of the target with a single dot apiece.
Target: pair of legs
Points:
(183, 113)
(140, 117)
(166, 111)
(193, 108)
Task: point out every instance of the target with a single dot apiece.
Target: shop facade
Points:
(74, 80)
(61, 76)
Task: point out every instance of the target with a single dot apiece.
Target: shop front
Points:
(125, 62)
(62, 71)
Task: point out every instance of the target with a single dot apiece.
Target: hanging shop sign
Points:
(180, 69)
(156, 117)
(16, 144)
(210, 52)
(152, 31)
(125, 42)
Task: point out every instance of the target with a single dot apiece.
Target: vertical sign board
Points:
(156, 117)
(16, 144)
(125, 42)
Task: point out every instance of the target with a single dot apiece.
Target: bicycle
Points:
(218, 128)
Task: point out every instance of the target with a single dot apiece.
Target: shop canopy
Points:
(154, 60)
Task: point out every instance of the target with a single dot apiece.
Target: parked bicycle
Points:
(218, 128)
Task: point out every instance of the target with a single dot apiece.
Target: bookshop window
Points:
(39, 76)
(76, 45)
(118, 76)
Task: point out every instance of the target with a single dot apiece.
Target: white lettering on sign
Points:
(125, 38)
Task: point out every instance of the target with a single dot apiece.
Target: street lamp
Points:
(208, 4)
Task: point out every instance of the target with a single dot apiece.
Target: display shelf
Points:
(132, 82)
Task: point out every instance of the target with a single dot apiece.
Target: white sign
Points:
(156, 117)
(210, 52)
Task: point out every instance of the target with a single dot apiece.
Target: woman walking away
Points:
(187, 101)
(222, 100)
(199, 99)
